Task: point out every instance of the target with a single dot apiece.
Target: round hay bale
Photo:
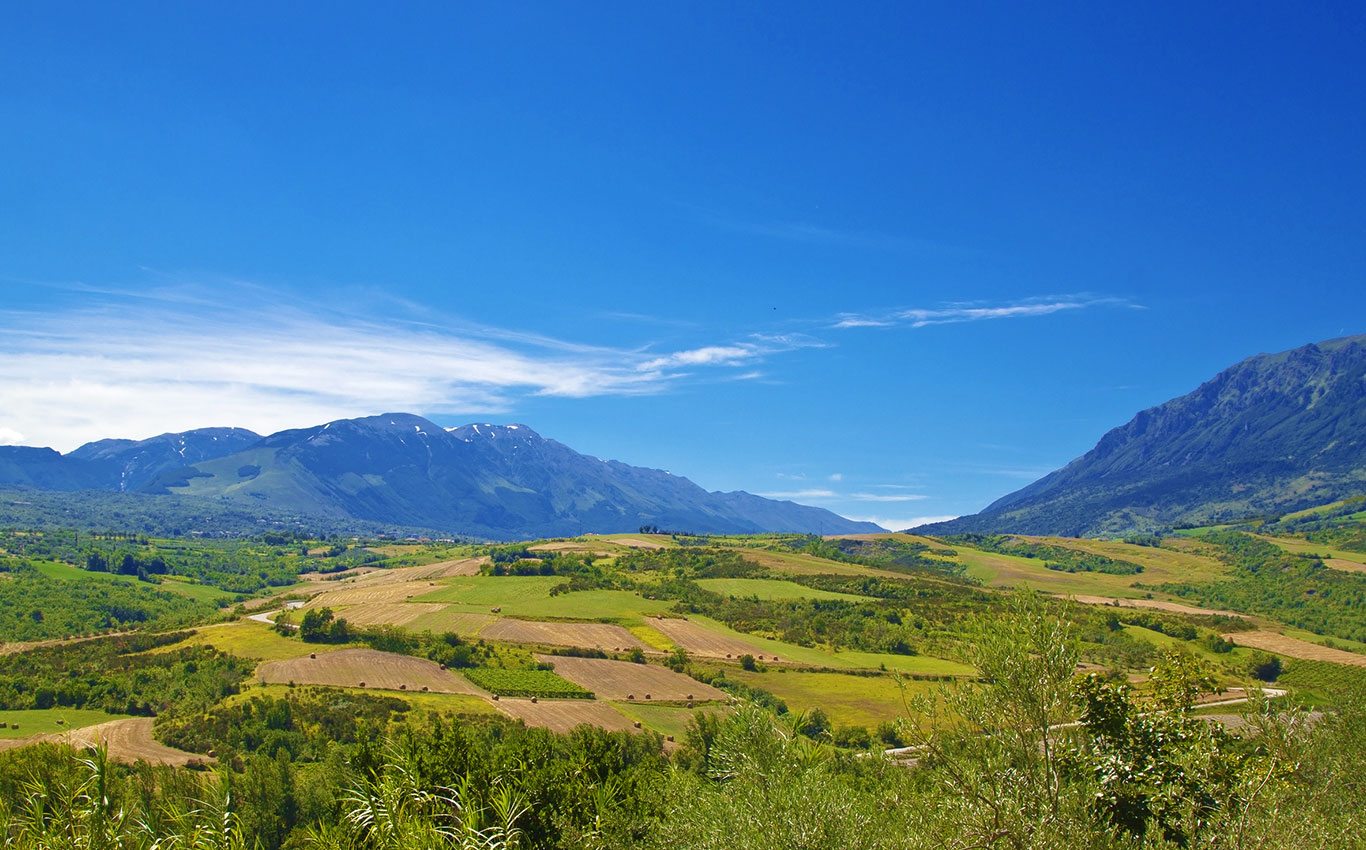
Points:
(689, 696)
(424, 688)
(775, 658)
(495, 697)
(313, 655)
(533, 700)
(728, 655)
(362, 684)
(630, 696)
(647, 696)
(403, 687)
(443, 666)
(61, 722)
(689, 705)
(636, 724)
(668, 737)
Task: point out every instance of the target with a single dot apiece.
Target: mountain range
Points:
(491, 481)
(1274, 433)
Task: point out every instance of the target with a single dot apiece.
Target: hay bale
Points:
(636, 724)
(647, 696)
(313, 655)
(533, 700)
(495, 697)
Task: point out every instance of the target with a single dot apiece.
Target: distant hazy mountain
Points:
(485, 480)
(1274, 433)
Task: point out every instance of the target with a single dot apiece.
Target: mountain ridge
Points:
(495, 481)
(1273, 432)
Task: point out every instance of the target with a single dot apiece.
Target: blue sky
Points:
(895, 260)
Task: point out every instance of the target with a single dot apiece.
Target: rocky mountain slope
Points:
(1273, 433)
(501, 482)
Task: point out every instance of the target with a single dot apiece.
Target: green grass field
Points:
(665, 719)
(1159, 565)
(767, 589)
(172, 584)
(250, 639)
(849, 659)
(848, 700)
(43, 721)
(529, 597)
(1307, 547)
(1234, 659)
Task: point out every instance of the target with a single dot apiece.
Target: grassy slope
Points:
(529, 597)
(848, 658)
(250, 639)
(1159, 565)
(172, 584)
(771, 589)
(848, 700)
(43, 721)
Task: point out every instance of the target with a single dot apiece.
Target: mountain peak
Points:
(1271, 433)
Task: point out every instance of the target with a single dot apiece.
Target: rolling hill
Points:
(1274, 433)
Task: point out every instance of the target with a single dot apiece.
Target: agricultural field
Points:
(604, 636)
(667, 719)
(1295, 648)
(849, 700)
(1342, 559)
(1165, 564)
(526, 683)
(565, 715)
(620, 680)
(709, 639)
(530, 597)
(42, 721)
(770, 589)
(366, 668)
(128, 739)
(250, 639)
(1323, 680)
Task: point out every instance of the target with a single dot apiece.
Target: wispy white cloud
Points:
(836, 476)
(821, 494)
(956, 313)
(237, 355)
(815, 494)
(902, 523)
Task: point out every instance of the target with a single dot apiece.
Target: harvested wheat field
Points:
(1156, 604)
(562, 715)
(367, 668)
(700, 640)
(1295, 648)
(388, 613)
(622, 679)
(588, 635)
(362, 592)
(129, 740)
